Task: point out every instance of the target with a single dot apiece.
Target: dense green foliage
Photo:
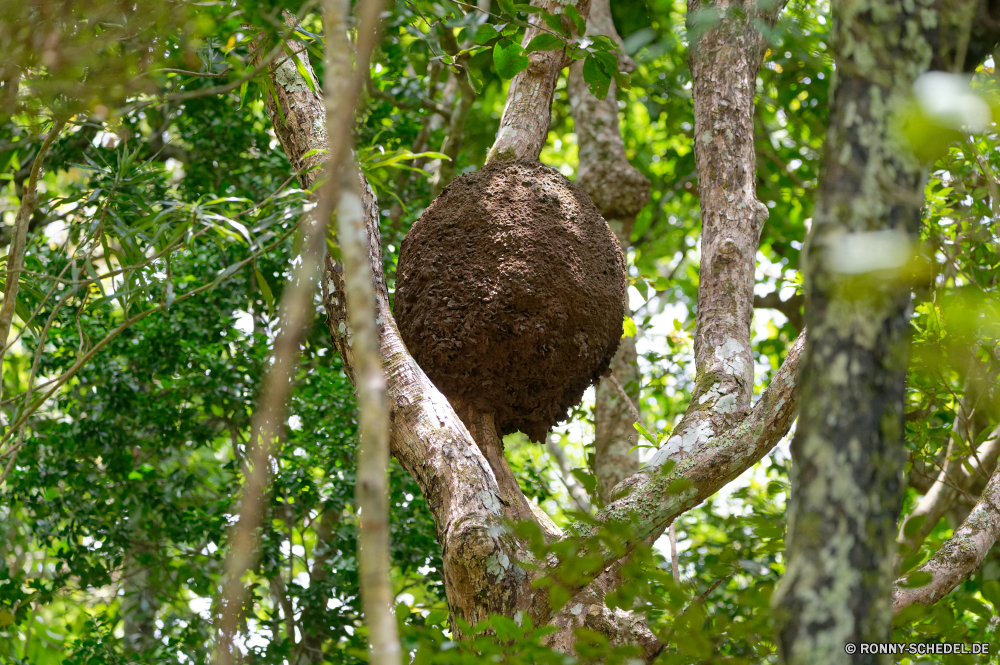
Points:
(164, 237)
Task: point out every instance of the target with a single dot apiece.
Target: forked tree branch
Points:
(524, 125)
(467, 502)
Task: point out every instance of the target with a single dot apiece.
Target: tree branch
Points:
(959, 556)
(15, 255)
(296, 313)
(524, 126)
(619, 191)
(791, 308)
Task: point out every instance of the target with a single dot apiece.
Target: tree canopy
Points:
(168, 226)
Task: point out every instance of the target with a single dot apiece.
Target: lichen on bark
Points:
(848, 453)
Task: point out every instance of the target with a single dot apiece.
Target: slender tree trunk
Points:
(619, 191)
(725, 57)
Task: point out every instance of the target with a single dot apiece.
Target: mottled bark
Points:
(619, 191)
(848, 452)
(524, 125)
(464, 492)
(652, 501)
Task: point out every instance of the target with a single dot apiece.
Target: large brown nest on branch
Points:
(510, 294)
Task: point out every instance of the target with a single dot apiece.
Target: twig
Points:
(15, 260)
(674, 561)
(624, 396)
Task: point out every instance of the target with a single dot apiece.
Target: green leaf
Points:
(544, 42)
(507, 7)
(265, 288)
(603, 43)
(578, 21)
(485, 33)
(527, 9)
(243, 92)
(918, 579)
(475, 79)
(628, 326)
(555, 22)
(646, 434)
(912, 561)
(302, 70)
(913, 525)
(508, 59)
(506, 629)
(586, 479)
(608, 62)
(436, 618)
(623, 80)
(991, 592)
(596, 79)
(6, 618)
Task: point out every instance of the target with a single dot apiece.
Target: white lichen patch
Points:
(288, 77)
(690, 440)
(490, 502)
(730, 354)
(838, 370)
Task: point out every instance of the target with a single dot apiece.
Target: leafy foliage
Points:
(164, 236)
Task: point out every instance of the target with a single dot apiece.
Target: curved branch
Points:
(959, 556)
(653, 499)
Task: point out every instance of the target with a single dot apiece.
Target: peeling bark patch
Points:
(510, 294)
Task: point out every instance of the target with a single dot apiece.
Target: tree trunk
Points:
(848, 453)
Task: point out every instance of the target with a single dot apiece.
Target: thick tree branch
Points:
(791, 308)
(654, 499)
(724, 61)
(466, 490)
(525, 122)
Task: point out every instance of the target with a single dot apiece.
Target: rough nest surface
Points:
(510, 294)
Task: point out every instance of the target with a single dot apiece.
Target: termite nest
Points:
(510, 294)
